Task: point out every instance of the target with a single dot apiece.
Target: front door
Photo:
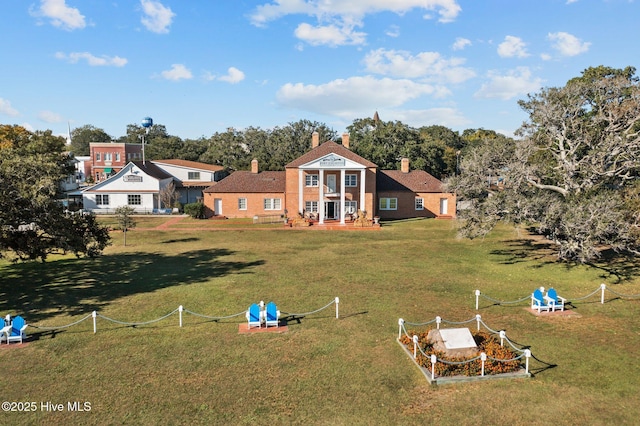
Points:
(217, 206)
(444, 205)
(331, 210)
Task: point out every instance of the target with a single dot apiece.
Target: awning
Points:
(108, 169)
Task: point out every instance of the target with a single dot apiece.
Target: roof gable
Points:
(326, 149)
(133, 172)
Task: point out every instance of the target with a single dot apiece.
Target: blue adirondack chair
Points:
(554, 300)
(18, 325)
(254, 316)
(538, 302)
(273, 315)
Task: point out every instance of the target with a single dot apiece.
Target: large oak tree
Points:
(572, 173)
(33, 223)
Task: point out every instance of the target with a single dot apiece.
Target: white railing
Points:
(602, 289)
(433, 359)
(180, 310)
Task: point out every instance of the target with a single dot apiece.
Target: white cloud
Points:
(337, 19)
(60, 15)
(94, 61)
(448, 10)
(429, 65)
(177, 72)
(545, 57)
(461, 43)
(157, 17)
(567, 44)
(393, 31)
(512, 47)
(7, 109)
(354, 96)
(234, 75)
(50, 117)
(331, 35)
(515, 83)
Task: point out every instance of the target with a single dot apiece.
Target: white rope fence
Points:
(433, 359)
(180, 310)
(602, 289)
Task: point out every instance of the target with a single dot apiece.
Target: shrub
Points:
(195, 210)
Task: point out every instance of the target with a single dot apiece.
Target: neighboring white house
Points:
(139, 184)
(191, 177)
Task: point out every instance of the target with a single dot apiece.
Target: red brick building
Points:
(108, 158)
(330, 183)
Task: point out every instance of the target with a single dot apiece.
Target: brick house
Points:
(108, 158)
(330, 183)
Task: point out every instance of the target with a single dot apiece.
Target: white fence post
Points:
(434, 358)
(337, 303)
(180, 308)
(415, 346)
(478, 319)
(603, 287)
(400, 325)
(483, 358)
(503, 334)
(94, 314)
(477, 297)
(438, 321)
(527, 354)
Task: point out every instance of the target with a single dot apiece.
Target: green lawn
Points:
(323, 370)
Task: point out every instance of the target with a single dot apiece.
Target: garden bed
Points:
(501, 363)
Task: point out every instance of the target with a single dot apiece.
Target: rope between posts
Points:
(458, 322)
(61, 326)
(417, 324)
(588, 295)
(312, 312)
(515, 348)
(214, 318)
(138, 323)
(629, 296)
(458, 362)
(487, 327)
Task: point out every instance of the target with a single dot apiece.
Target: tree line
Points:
(435, 149)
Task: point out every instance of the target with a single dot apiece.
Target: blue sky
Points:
(202, 66)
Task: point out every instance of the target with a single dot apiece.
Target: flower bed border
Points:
(441, 380)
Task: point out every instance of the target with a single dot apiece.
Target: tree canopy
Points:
(33, 223)
(572, 172)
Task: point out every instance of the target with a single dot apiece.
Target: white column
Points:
(321, 195)
(362, 182)
(342, 175)
(300, 190)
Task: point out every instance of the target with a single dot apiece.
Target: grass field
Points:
(324, 370)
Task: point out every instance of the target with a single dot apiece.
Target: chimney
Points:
(315, 139)
(345, 140)
(254, 166)
(404, 165)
